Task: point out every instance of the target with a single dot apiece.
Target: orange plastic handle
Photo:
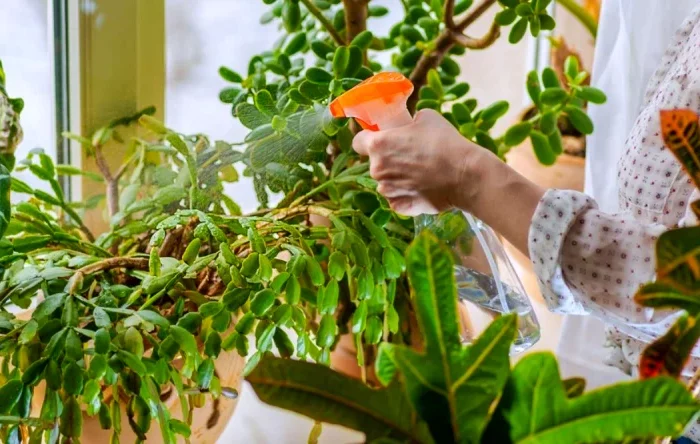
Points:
(383, 89)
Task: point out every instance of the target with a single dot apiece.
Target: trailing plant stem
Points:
(451, 35)
(135, 263)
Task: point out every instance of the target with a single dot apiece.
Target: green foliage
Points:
(151, 301)
(534, 407)
(554, 104)
(461, 382)
(469, 394)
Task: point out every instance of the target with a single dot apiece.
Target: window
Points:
(201, 37)
(25, 51)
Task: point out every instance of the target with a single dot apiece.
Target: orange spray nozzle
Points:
(377, 103)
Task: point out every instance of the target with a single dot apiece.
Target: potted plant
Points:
(451, 393)
(111, 337)
(282, 99)
(182, 278)
(568, 170)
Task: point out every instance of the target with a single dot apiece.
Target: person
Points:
(589, 259)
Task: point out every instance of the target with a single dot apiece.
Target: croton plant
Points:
(181, 275)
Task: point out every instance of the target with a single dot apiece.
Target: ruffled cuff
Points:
(554, 216)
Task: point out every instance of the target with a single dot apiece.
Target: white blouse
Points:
(591, 262)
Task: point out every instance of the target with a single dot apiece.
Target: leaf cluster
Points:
(470, 394)
(181, 276)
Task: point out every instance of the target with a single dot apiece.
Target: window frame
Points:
(109, 61)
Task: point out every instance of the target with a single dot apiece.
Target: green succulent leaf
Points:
(10, 393)
(579, 119)
(518, 133)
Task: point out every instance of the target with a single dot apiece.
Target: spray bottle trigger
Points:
(367, 126)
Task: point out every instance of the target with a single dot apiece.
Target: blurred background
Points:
(200, 36)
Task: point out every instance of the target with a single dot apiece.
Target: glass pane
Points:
(25, 52)
(200, 38)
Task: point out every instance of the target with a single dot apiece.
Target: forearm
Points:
(503, 199)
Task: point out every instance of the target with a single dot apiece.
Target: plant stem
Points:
(108, 264)
(81, 225)
(355, 18)
(313, 9)
(311, 193)
(137, 263)
(122, 169)
(582, 15)
(112, 182)
(449, 17)
(477, 12)
(445, 41)
(487, 40)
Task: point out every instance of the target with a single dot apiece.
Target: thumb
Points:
(362, 142)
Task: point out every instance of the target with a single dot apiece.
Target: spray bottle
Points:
(486, 281)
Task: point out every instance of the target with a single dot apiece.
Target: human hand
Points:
(425, 167)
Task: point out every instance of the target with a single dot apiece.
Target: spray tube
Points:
(485, 276)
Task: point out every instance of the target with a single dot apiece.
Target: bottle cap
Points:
(382, 95)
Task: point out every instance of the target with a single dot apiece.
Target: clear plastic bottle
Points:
(487, 284)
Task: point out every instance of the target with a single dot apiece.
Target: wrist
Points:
(474, 168)
(505, 200)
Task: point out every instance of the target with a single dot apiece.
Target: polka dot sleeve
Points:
(604, 260)
(554, 216)
(588, 261)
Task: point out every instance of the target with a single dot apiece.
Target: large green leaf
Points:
(535, 408)
(325, 395)
(451, 386)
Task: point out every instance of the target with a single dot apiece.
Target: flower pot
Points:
(344, 357)
(208, 422)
